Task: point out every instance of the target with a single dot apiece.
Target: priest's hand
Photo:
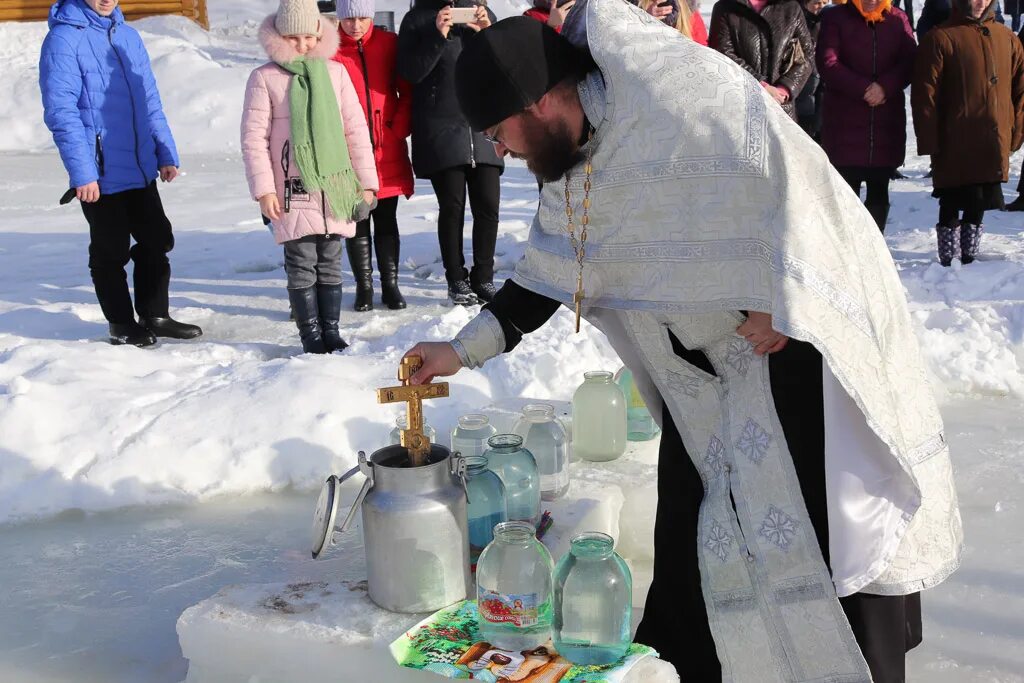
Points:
(439, 360)
(759, 332)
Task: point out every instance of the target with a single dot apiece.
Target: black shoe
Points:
(359, 257)
(132, 334)
(167, 327)
(897, 175)
(484, 291)
(461, 293)
(1016, 205)
(307, 319)
(328, 298)
(387, 247)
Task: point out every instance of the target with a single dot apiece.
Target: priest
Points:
(805, 488)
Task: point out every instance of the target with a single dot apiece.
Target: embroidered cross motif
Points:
(688, 384)
(778, 528)
(719, 541)
(754, 442)
(738, 356)
(715, 455)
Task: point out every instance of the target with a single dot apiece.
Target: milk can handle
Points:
(458, 469)
(367, 485)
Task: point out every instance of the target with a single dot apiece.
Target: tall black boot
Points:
(947, 239)
(359, 257)
(387, 247)
(307, 319)
(328, 298)
(880, 212)
(970, 242)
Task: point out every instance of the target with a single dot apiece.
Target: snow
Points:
(121, 470)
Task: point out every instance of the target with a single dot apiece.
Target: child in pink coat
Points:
(309, 161)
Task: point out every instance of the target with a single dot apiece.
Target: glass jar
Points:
(593, 602)
(640, 425)
(470, 436)
(598, 418)
(517, 469)
(402, 422)
(545, 438)
(514, 597)
(486, 507)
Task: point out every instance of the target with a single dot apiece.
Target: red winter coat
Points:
(370, 63)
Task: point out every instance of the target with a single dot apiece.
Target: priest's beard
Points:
(552, 148)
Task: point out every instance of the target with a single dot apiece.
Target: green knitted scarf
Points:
(318, 137)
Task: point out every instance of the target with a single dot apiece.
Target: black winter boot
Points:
(131, 334)
(328, 298)
(1016, 205)
(387, 247)
(880, 212)
(168, 327)
(359, 257)
(947, 237)
(970, 242)
(461, 293)
(307, 319)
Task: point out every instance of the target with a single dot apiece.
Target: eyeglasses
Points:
(492, 138)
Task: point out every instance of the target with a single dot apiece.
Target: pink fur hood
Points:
(279, 50)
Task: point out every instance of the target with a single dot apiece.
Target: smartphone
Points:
(667, 3)
(463, 15)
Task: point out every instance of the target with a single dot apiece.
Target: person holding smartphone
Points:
(445, 151)
(682, 16)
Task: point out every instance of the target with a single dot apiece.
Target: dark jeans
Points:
(313, 259)
(114, 221)
(484, 187)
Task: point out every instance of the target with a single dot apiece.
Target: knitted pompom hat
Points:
(298, 18)
(350, 9)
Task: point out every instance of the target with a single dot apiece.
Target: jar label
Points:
(520, 610)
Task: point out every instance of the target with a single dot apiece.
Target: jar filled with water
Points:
(593, 602)
(640, 425)
(598, 418)
(517, 469)
(544, 436)
(514, 589)
(471, 434)
(486, 507)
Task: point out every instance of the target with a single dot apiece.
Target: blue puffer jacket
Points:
(100, 100)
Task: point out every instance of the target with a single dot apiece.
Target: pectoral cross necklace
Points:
(579, 246)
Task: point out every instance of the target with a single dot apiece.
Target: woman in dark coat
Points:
(768, 38)
(866, 57)
(968, 101)
(809, 101)
(444, 148)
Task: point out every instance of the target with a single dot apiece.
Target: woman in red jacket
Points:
(369, 54)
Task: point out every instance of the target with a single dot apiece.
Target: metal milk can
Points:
(413, 502)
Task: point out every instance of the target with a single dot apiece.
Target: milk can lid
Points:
(325, 514)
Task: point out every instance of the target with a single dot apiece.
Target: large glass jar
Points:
(517, 469)
(545, 437)
(402, 422)
(471, 434)
(513, 579)
(640, 426)
(486, 507)
(598, 418)
(593, 602)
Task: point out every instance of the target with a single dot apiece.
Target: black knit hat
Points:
(506, 67)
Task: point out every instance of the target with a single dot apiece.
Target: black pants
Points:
(114, 221)
(877, 180)
(675, 619)
(385, 226)
(484, 184)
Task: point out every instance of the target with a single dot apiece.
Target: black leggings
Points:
(384, 217)
(949, 215)
(877, 180)
(484, 183)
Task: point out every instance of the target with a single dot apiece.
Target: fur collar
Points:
(279, 50)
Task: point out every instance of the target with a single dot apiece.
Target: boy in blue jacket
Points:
(101, 103)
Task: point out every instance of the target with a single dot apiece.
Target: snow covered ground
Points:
(93, 588)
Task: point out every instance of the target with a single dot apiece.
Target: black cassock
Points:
(675, 620)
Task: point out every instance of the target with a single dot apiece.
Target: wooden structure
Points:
(38, 10)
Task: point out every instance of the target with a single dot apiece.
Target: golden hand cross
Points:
(412, 436)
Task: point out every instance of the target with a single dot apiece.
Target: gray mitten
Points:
(363, 210)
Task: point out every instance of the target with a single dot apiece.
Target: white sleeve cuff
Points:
(480, 340)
